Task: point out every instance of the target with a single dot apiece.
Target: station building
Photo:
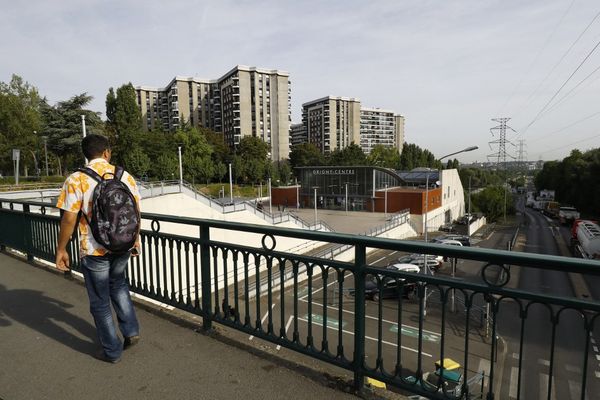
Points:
(439, 194)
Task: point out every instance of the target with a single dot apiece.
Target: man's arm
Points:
(67, 225)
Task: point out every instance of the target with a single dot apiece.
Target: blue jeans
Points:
(105, 282)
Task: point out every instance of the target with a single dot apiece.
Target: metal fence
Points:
(320, 307)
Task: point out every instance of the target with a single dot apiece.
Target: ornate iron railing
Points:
(334, 309)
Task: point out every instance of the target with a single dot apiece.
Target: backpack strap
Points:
(119, 172)
(91, 173)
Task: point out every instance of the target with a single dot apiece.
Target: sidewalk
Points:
(47, 339)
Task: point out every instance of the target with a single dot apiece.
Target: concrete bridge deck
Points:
(47, 339)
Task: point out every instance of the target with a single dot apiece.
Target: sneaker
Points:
(130, 341)
(101, 355)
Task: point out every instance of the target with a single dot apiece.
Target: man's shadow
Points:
(46, 315)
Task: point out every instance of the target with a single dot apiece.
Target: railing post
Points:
(28, 240)
(205, 277)
(360, 258)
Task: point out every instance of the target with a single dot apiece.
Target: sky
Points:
(449, 67)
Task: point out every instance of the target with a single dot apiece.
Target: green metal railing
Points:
(325, 308)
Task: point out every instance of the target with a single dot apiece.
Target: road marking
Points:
(331, 322)
(287, 326)
(262, 321)
(514, 376)
(484, 365)
(415, 333)
(374, 339)
(375, 262)
(595, 349)
(575, 390)
(543, 362)
(544, 388)
(392, 253)
(598, 357)
(515, 356)
(303, 298)
(597, 373)
(368, 316)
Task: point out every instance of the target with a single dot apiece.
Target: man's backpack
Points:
(115, 221)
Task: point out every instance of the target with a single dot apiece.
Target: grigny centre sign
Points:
(333, 172)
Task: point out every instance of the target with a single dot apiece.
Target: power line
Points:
(535, 119)
(535, 59)
(572, 90)
(566, 127)
(532, 95)
(500, 130)
(570, 144)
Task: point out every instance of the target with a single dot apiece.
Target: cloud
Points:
(449, 67)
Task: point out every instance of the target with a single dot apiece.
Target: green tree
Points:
(384, 156)
(62, 127)
(490, 202)
(166, 166)
(127, 122)
(138, 163)
(285, 171)
(238, 168)
(350, 155)
(20, 117)
(253, 152)
(413, 156)
(220, 169)
(306, 155)
(196, 155)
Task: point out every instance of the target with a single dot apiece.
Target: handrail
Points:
(212, 278)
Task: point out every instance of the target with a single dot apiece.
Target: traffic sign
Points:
(16, 154)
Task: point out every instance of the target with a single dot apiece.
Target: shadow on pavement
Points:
(46, 315)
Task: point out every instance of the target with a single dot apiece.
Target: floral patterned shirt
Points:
(76, 194)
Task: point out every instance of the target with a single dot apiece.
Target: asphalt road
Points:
(544, 375)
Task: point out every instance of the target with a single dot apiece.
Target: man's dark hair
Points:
(93, 145)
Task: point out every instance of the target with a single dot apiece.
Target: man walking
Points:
(103, 270)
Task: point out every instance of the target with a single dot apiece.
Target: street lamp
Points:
(46, 153)
(315, 189)
(230, 186)
(386, 188)
(425, 266)
(180, 169)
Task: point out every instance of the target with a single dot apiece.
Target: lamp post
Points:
(230, 185)
(316, 217)
(346, 198)
(297, 195)
(46, 153)
(425, 266)
(386, 188)
(180, 169)
(270, 198)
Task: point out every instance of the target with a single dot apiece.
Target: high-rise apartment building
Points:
(297, 134)
(246, 101)
(332, 122)
(380, 127)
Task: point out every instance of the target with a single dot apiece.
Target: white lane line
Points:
(303, 298)
(595, 349)
(373, 318)
(375, 262)
(514, 376)
(515, 356)
(544, 388)
(598, 357)
(368, 337)
(593, 340)
(597, 373)
(392, 253)
(262, 321)
(287, 326)
(575, 390)
(543, 362)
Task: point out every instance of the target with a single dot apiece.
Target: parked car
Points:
(463, 239)
(449, 242)
(447, 227)
(433, 262)
(390, 286)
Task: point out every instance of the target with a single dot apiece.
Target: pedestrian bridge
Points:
(319, 307)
